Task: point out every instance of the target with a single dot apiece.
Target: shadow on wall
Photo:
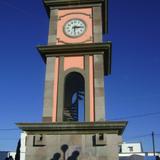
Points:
(64, 149)
(17, 157)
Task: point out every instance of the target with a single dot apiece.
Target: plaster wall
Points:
(131, 148)
(74, 62)
(82, 147)
(23, 146)
(65, 15)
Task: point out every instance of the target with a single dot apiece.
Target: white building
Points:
(23, 146)
(134, 149)
(131, 148)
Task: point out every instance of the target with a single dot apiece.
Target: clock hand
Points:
(78, 27)
(74, 27)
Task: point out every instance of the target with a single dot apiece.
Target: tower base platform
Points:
(73, 140)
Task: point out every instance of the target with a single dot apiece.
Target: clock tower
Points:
(75, 52)
(73, 122)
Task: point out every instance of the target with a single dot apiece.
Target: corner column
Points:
(49, 89)
(98, 67)
(53, 27)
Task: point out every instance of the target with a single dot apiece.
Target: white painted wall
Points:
(137, 150)
(23, 146)
(131, 148)
(13, 154)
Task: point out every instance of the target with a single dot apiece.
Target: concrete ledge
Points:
(104, 49)
(74, 128)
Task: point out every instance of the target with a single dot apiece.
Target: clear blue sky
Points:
(132, 89)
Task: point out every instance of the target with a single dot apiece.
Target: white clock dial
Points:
(74, 28)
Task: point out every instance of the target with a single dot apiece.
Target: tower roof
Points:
(49, 4)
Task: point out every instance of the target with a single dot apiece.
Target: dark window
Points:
(74, 97)
(130, 149)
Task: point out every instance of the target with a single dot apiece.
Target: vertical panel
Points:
(99, 88)
(49, 87)
(50, 99)
(64, 16)
(97, 22)
(91, 88)
(55, 91)
(98, 67)
(87, 91)
(53, 27)
(60, 94)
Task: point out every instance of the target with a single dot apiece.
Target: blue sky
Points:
(132, 89)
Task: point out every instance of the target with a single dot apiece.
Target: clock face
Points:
(74, 28)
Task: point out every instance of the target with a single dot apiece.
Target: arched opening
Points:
(74, 108)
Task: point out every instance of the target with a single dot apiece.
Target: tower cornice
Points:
(80, 49)
(74, 127)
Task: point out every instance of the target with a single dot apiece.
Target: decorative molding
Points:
(87, 40)
(89, 15)
(80, 71)
(74, 128)
(69, 49)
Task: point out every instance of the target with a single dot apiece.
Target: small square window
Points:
(130, 149)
